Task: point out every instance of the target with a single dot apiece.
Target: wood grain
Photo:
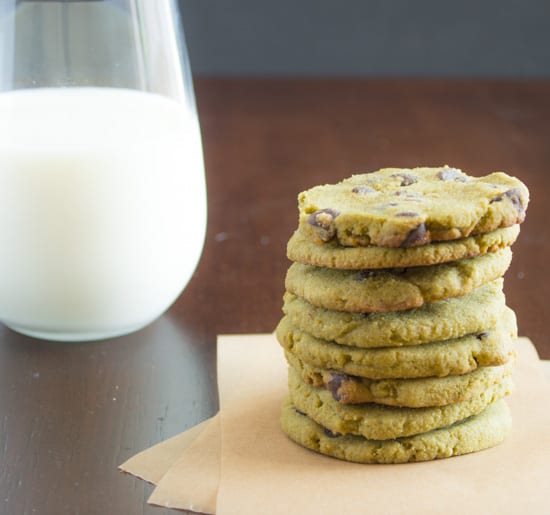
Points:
(70, 413)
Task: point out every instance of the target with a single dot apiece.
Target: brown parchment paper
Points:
(192, 481)
(153, 463)
(261, 471)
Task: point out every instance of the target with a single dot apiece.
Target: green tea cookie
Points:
(482, 431)
(332, 255)
(379, 422)
(393, 289)
(412, 393)
(435, 321)
(494, 346)
(397, 207)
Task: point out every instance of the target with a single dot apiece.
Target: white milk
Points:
(102, 209)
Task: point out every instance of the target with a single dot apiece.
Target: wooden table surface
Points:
(71, 413)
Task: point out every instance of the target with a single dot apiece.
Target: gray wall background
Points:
(442, 38)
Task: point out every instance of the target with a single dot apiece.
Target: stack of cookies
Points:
(399, 342)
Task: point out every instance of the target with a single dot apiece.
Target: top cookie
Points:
(398, 207)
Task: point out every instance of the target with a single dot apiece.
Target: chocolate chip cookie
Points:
(442, 320)
(411, 393)
(379, 422)
(397, 207)
(393, 289)
(331, 255)
(482, 431)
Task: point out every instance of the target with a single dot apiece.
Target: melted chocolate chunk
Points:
(330, 434)
(409, 214)
(418, 236)
(323, 219)
(450, 174)
(406, 178)
(363, 190)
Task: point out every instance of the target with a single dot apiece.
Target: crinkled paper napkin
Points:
(239, 461)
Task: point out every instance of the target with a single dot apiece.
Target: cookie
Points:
(393, 289)
(435, 321)
(379, 422)
(487, 429)
(412, 393)
(494, 346)
(397, 207)
(332, 255)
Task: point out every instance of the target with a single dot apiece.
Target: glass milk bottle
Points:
(102, 189)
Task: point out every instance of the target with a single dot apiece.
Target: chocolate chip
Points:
(364, 274)
(408, 194)
(409, 214)
(335, 382)
(363, 190)
(418, 236)
(516, 198)
(482, 335)
(406, 178)
(399, 271)
(451, 174)
(323, 219)
(330, 434)
(300, 412)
